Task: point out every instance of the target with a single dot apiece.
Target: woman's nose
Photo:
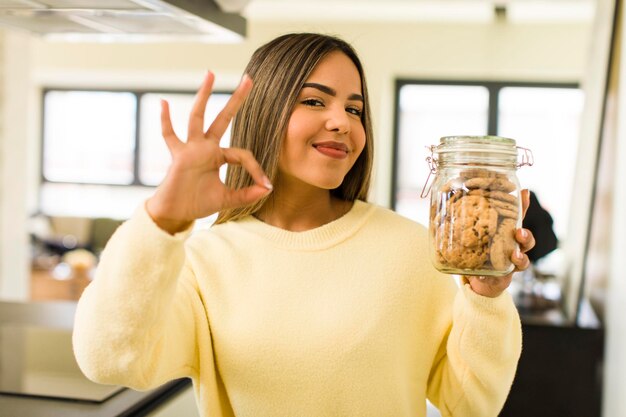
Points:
(338, 120)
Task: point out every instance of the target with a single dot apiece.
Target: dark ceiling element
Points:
(499, 11)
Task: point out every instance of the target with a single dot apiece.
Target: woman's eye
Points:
(312, 102)
(355, 111)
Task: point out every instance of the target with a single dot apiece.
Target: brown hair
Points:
(278, 70)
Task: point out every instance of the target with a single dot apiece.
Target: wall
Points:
(597, 266)
(16, 166)
(614, 402)
(496, 51)
(2, 127)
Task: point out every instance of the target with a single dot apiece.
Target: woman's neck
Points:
(302, 209)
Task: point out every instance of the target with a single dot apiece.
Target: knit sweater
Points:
(347, 319)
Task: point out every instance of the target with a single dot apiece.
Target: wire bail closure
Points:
(526, 154)
(432, 164)
(527, 157)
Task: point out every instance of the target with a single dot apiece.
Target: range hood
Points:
(127, 20)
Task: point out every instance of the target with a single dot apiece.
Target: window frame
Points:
(138, 93)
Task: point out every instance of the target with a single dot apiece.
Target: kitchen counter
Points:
(56, 319)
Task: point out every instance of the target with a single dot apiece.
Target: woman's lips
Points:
(334, 150)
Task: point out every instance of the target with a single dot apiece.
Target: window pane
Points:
(154, 157)
(91, 200)
(89, 137)
(546, 120)
(428, 112)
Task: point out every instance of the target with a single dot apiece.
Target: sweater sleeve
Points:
(475, 366)
(138, 323)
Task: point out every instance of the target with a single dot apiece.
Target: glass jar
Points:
(475, 206)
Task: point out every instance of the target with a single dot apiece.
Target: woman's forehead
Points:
(338, 71)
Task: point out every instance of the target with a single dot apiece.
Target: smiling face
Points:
(325, 135)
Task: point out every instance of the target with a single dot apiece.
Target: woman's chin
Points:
(330, 185)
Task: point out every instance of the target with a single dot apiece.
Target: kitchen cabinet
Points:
(561, 368)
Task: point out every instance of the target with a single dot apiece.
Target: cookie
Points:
(462, 237)
(439, 257)
(476, 220)
(505, 209)
(503, 245)
(473, 221)
(490, 183)
(435, 208)
(479, 182)
(502, 184)
(453, 197)
(496, 195)
(435, 224)
(453, 184)
(457, 256)
(477, 173)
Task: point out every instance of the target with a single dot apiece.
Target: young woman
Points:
(303, 299)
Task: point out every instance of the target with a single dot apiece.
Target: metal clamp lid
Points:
(527, 157)
(432, 163)
(527, 160)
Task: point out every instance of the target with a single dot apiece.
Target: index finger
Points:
(221, 122)
(196, 117)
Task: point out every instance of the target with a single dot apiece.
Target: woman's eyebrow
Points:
(330, 91)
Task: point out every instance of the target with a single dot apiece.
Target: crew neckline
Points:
(318, 238)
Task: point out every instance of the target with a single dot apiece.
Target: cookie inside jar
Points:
(474, 215)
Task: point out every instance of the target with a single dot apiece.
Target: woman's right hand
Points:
(192, 188)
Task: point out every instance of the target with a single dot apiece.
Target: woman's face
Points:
(325, 135)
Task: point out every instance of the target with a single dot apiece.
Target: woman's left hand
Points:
(494, 286)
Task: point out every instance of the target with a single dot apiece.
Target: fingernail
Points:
(267, 183)
(524, 233)
(518, 254)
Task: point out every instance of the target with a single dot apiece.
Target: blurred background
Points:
(80, 144)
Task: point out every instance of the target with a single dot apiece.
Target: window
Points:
(425, 113)
(541, 117)
(89, 137)
(545, 120)
(103, 146)
(154, 157)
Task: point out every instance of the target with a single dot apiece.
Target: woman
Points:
(303, 299)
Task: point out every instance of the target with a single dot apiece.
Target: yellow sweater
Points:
(349, 319)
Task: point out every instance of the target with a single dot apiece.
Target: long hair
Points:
(278, 70)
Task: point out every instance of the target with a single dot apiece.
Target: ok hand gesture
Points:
(192, 188)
